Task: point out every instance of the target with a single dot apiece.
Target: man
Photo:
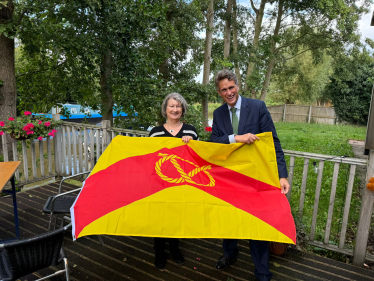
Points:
(239, 120)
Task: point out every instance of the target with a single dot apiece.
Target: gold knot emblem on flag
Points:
(184, 176)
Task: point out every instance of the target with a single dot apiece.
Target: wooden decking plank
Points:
(194, 256)
(318, 270)
(191, 268)
(337, 266)
(298, 261)
(244, 262)
(196, 259)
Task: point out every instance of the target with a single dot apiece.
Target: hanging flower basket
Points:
(13, 136)
(29, 127)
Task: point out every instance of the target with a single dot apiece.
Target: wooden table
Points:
(7, 170)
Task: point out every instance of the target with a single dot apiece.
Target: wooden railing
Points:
(77, 147)
(307, 159)
(37, 159)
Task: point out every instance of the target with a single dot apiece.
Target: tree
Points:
(102, 53)
(7, 73)
(235, 43)
(301, 80)
(293, 27)
(351, 86)
(227, 32)
(88, 50)
(8, 93)
(207, 57)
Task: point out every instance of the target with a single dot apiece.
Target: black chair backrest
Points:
(26, 256)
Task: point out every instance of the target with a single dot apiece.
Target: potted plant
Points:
(29, 127)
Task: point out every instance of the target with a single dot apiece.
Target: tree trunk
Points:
(271, 62)
(266, 83)
(235, 45)
(258, 28)
(207, 57)
(227, 35)
(163, 69)
(106, 87)
(8, 90)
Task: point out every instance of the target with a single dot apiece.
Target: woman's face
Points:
(174, 110)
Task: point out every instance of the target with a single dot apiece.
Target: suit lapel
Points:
(226, 120)
(244, 111)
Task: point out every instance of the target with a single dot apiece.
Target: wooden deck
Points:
(131, 258)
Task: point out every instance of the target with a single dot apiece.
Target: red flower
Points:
(40, 122)
(11, 119)
(1, 133)
(2, 124)
(30, 133)
(27, 113)
(54, 131)
(40, 138)
(47, 124)
(208, 129)
(28, 127)
(51, 134)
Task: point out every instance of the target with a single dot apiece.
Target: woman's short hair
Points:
(177, 97)
(225, 74)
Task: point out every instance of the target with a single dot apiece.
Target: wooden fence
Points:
(303, 113)
(77, 147)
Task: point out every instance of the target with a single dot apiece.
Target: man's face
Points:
(228, 91)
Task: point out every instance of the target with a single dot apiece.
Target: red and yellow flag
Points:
(162, 187)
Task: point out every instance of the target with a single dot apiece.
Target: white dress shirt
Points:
(237, 106)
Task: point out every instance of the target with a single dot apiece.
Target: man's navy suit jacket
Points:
(254, 119)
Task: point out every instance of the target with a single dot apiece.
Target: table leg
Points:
(15, 206)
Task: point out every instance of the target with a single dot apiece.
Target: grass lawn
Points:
(330, 140)
(211, 108)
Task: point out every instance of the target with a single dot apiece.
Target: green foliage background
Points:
(351, 85)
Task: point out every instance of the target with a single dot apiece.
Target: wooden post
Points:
(284, 113)
(5, 148)
(105, 125)
(290, 176)
(347, 206)
(33, 160)
(331, 204)
(369, 141)
(15, 157)
(365, 216)
(367, 195)
(24, 160)
(310, 114)
(57, 147)
(41, 156)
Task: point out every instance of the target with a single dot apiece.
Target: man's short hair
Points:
(225, 74)
(178, 98)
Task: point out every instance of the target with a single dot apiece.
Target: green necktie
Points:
(235, 120)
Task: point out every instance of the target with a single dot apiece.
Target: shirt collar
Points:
(238, 103)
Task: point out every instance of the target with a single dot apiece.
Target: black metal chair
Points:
(60, 204)
(26, 256)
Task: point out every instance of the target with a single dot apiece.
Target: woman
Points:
(173, 108)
